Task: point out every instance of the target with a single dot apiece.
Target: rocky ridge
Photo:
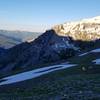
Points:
(86, 29)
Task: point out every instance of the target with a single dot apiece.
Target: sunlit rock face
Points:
(86, 29)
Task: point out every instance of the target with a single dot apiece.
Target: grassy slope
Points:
(72, 83)
(56, 85)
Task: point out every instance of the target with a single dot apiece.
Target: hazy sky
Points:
(38, 15)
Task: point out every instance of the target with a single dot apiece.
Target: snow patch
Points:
(97, 61)
(33, 74)
(96, 50)
(84, 54)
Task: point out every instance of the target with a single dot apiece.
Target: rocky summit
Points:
(86, 29)
(59, 43)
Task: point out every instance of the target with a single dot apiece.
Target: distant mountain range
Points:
(9, 39)
(8, 42)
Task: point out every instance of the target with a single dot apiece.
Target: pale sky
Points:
(39, 15)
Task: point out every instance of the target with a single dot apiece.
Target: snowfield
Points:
(97, 61)
(33, 74)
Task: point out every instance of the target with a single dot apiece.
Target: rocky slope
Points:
(86, 29)
(51, 46)
(2, 50)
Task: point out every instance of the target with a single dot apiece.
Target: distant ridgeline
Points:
(9, 39)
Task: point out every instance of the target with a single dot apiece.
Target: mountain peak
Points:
(86, 29)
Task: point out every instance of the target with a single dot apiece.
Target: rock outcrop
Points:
(86, 29)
